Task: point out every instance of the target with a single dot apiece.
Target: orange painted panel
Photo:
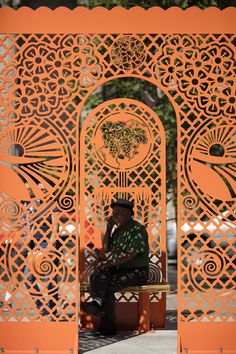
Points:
(38, 199)
(39, 338)
(118, 20)
(59, 169)
(207, 338)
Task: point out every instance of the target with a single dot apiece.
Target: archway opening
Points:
(154, 98)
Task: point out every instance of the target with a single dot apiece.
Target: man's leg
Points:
(118, 281)
(128, 277)
(108, 318)
(99, 284)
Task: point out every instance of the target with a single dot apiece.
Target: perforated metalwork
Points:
(38, 182)
(123, 148)
(45, 82)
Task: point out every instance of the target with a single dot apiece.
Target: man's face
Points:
(121, 216)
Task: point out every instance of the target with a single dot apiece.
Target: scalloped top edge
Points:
(119, 8)
(117, 20)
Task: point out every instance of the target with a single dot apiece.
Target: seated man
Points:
(127, 264)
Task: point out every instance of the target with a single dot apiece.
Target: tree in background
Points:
(165, 4)
(109, 4)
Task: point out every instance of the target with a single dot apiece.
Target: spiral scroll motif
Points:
(154, 277)
(155, 274)
(48, 267)
(190, 203)
(66, 202)
(206, 269)
(10, 210)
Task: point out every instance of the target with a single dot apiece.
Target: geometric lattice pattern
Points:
(45, 81)
(38, 184)
(124, 156)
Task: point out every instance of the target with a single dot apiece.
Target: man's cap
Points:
(123, 203)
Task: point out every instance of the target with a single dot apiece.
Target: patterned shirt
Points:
(133, 238)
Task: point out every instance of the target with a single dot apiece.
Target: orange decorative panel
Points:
(63, 160)
(38, 193)
(123, 146)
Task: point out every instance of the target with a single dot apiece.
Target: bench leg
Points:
(144, 312)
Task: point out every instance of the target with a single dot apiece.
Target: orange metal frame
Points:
(50, 146)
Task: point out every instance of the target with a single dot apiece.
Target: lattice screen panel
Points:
(38, 182)
(45, 81)
(123, 146)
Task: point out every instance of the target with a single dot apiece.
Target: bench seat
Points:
(144, 292)
(149, 288)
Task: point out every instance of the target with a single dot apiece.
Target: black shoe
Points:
(107, 332)
(92, 308)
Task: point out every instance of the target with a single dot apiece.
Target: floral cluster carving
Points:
(123, 138)
(45, 76)
(204, 75)
(81, 60)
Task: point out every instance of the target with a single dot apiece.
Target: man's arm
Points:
(106, 242)
(118, 261)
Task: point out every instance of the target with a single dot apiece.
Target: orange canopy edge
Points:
(118, 20)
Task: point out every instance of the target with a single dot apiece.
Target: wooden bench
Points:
(144, 292)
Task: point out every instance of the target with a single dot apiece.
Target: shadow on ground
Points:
(171, 320)
(89, 340)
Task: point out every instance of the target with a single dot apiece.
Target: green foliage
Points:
(146, 4)
(165, 4)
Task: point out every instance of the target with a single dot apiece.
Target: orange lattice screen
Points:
(123, 144)
(46, 81)
(38, 200)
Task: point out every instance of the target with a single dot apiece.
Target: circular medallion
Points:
(128, 53)
(122, 137)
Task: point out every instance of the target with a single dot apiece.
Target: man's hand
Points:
(124, 258)
(110, 224)
(107, 237)
(105, 264)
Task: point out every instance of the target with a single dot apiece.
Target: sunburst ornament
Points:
(34, 161)
(216, 144)
(211, 162)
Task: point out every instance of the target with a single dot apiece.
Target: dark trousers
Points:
(105, 282)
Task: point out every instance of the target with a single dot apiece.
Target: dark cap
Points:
(123, 203)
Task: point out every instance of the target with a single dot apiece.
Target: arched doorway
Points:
(123, 156)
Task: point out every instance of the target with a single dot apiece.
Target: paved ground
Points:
(159, 341)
